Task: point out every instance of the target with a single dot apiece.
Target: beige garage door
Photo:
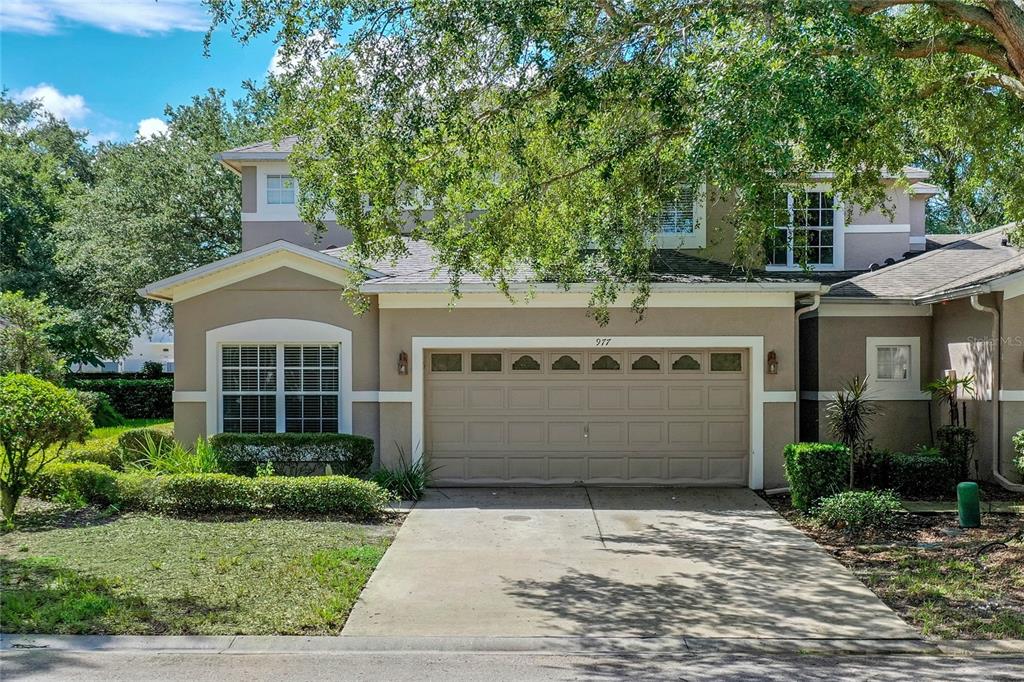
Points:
(605, 416)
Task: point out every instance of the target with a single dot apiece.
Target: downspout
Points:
(1002, 480)
(796, 346)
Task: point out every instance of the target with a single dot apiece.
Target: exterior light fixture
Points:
(403, 363)
(773, 362)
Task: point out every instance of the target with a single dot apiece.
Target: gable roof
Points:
(957, 269)
(247, 264)
(419, 272)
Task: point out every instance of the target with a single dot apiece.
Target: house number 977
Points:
(602, 342)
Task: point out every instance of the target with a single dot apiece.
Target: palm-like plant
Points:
(849, 414)
(947, 390)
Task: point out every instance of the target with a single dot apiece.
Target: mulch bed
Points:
(948, 581)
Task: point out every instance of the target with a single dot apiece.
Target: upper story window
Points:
(280, 189)
(677, 216)
(805, 230)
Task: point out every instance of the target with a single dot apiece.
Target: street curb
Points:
(273, 644)
(982, 647)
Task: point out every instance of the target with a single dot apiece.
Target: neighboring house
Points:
(156, 345)
(704, 391)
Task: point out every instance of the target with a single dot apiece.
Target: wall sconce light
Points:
(773, 363)
(403, 363)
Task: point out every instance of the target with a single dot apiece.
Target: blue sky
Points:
(108, 65)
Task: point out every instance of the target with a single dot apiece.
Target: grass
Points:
(951, 583)
(100, 573)
(115, 431)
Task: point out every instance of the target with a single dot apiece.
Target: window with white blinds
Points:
(893, 363)
(311, 389)
(249, 388)
(677, 215)
(268, 388)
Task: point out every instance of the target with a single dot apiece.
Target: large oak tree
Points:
(563, 126)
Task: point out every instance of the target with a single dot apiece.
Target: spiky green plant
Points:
(848, 415)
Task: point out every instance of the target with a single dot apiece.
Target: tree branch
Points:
(984, 49)
(969, 14)
(982, 80)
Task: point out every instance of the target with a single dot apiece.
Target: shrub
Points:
(408, 480)
(855, 511)
(134, 442)
(347, 454)
(87, 481)
(956, 443)
(921, 474)
(1018, 445)
(105, 451)
(848, 415)
(152, 370)
(135, 398)
(169, 457)
(100, 408)
(815, 470)
(37, 420)
(203, 493)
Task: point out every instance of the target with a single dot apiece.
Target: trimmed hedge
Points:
(816, 470)
(922, 474)
(348, 455)
(105, 451)
(201, 493)
(100, 408)
(134, 398)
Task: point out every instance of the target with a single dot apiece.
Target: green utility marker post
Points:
(968, 504)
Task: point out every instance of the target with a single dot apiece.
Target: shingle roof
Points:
(970, 261)
(285, 146)
(668, 266)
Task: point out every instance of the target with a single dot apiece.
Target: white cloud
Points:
(138, 17)
(95, 138)
(150, 128)
(315, 50)
(67, 107)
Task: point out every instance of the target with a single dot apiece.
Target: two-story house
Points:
(721, 374)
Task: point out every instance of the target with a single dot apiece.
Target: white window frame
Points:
(281, 394)
(267, 190)
(894, 389)
(838, 232)
(698, 238)
(284, 332)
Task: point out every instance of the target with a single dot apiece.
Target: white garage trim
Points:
(754, 344)
(277, 330)
(382, 396)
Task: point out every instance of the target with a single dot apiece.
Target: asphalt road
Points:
(492, 667)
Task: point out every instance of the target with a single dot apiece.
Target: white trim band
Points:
(829, 309)
(1011, 396)
(826, 396)
(780, 396)
(382, 396)
(189, 396)
(878, 229)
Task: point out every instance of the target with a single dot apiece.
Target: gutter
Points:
(996, 433)
(383, 287)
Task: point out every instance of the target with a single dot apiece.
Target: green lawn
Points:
(114, 431)
(81, 572)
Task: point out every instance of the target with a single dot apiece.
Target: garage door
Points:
(568, 415)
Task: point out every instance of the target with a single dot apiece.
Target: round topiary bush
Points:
(37, 420)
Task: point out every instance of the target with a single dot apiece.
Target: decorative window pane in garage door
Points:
(311, 389)
(248, 388)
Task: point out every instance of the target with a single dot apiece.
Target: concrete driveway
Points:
(612, 562)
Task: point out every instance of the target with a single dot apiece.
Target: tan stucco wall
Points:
(864, 249)
(399, 326)
(841, 344)
(259, 232)
(281, 293)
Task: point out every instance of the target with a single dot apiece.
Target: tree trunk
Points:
(8, 502)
